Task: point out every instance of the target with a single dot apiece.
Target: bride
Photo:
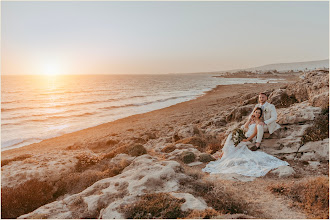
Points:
(239, 159)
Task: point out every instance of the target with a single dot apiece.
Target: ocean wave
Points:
(37, 115)
(50, 118)
(16, 142)
(163, 100)
(59, 105)
(145, 103)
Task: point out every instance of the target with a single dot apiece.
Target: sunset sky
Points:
(159, 37)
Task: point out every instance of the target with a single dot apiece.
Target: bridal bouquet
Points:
(238, 136)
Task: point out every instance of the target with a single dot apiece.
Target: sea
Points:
(35, 108)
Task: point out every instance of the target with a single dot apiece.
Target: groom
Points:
(269, 116)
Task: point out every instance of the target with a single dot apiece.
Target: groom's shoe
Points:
(254, 148)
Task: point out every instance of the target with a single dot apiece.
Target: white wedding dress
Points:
(241, 160)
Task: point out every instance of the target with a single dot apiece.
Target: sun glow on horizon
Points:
(52, 69)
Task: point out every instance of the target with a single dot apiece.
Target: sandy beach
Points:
(221, 98)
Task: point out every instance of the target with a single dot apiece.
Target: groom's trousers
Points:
(260, 132)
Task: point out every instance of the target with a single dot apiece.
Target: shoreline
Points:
(127, 126)
(11, 142)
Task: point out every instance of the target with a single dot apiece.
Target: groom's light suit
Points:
(270, 116)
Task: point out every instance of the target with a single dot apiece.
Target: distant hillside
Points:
(283, 67)
(293, 66)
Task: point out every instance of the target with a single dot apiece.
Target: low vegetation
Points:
(155, 205)
(19, 158)
(25, 198)
(30, 195)
(319, 130)
(215, 195)
(311, 195)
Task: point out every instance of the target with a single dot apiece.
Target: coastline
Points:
(177, 114)
(162, 152)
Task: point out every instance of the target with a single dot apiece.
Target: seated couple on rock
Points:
(264, 117)
(238, 158)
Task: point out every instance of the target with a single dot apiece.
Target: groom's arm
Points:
(273, 115)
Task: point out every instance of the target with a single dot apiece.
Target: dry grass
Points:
(24, 198)
(136, 150)
(213, 146)
(312, 195)
(205, 214)
(32, 194)
(155, 205)
(215, 195)
(319, 130)
(78, 181)
(19, 158)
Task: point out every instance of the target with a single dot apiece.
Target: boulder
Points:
(283, 171)
(249, 101)
(238, 113)
(318, 150)
(191, 202)
(320, 100)
(197, 142)
(186, 132)
(297, 113)
(313, 83)
(281, 99)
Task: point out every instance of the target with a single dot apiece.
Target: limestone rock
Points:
(281, 99)
(121, 157)
(313, 83)
(197, 142)
(238, 113)
(101, 200)
(195, 164)
(191, 203)
(182, 148)
(318, 150)
(320, 100)
(284, 171)
(186, 132)
(297, 113)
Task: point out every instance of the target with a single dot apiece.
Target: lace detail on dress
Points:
(243, 161)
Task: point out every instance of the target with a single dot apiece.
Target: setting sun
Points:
(51, 69)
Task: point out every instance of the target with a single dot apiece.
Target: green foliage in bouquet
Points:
(238, 136)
